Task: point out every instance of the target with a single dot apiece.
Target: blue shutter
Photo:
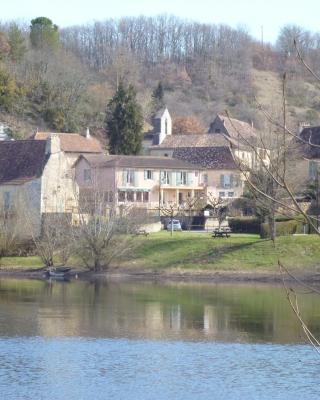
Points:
(222, 180)
(231, 181)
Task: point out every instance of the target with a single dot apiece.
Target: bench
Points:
(221, 232)
(142, 232)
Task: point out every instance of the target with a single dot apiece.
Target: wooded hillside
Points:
(62, 79)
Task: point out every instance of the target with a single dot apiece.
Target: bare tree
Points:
(8, 233)
(101, 233)
(171, 210)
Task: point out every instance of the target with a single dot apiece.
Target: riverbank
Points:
(197, 256)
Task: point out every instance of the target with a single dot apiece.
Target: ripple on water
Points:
(81, 368)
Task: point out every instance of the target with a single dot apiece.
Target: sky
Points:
(255, 15)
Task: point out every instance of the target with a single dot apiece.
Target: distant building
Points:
(144, 181)
(4, 132)
(309, 147)
(36, 175)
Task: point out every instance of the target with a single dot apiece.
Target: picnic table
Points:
(221, 232)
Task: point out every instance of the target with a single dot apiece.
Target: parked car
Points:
(176, 225)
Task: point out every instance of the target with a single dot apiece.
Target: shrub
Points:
(282, 228)
(244, 225)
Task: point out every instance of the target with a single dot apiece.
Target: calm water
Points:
(154, 341)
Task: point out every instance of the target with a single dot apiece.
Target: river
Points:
(121, 340)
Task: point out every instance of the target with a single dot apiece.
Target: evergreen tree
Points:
(44, 34)
(17, 43)
(124, 122)
(157, 98)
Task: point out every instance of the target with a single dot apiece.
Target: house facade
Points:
(144, 181)
(57, 187)
(36, 178)
(21, 166)
(309, 147)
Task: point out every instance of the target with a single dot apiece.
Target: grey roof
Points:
(22, 160)
(312, 136)
(198, 140)
(235, 127)
(208, 157)
(159, 113)
(121, 161)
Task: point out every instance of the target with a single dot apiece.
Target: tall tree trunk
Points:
(272, 225)
(97, 265)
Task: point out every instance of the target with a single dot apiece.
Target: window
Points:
(226, 181)
(145, 197)
(6, 201)
(138, 196)
(166, 126)
(182, 178)
(165, 177)
(130, 196)
(148, 174)
(230, 194)
(166, 155)
(222, 194)
(121, 196)
(87, 175)
(217, 130)
(111, 197)
(205, 179)
(128, 177)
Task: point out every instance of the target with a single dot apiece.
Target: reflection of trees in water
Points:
(186, 311)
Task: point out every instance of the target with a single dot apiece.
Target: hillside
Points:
(66, 83)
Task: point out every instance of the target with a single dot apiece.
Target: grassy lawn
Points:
(188, 250)
(199, 251)
(27, 262)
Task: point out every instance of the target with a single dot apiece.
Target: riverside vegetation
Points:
(200, 252)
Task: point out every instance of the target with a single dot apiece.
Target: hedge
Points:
(244, 225)
(283, 228)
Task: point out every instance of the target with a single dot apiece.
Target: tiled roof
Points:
(312, 136)
(21, 160)
(198, 140)
(218, 157)
(237, 128)
(73, 142)
(138, 162)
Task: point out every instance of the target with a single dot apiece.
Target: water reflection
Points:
(232, 313)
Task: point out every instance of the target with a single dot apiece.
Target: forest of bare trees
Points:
(64, 85)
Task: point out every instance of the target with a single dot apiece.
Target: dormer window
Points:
(166, 126)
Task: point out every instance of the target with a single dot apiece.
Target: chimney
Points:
(53, 144)
(88, 136)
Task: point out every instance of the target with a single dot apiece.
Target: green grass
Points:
(24, 262)
(199, 251)
(188, 250)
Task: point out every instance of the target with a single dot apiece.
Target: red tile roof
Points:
(73, 142)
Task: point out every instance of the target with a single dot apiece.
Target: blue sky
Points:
(271, 14)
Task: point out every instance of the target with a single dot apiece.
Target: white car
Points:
(176, 226)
